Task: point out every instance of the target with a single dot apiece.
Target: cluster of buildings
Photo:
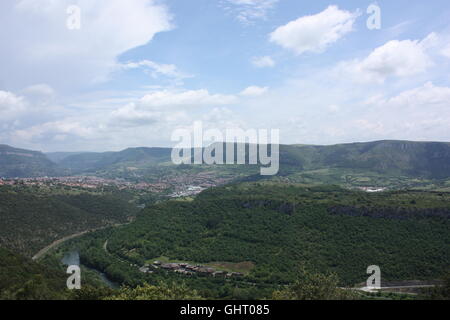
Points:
(86, 182)
(187, 269)
(203, 179)
(372, 189)
(192, 184)
(186, 191)
(9, 182)
(181, 185)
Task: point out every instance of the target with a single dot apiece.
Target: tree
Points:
(313, 286)
(161, 292)
(441, 292)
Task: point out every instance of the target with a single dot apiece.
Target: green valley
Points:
(278, 228)
(225, 231)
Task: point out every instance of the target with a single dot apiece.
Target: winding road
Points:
(56, 243)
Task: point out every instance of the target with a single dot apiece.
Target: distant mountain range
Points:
(416, 159)
(420, 159)
(91, 162)
(25, 163)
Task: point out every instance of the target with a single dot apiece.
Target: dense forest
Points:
(23, 279)
(33, 217)
(269, 230)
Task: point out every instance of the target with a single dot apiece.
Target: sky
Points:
(105, 75)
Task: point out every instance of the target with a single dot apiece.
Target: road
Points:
(367, 289)
(56, 243)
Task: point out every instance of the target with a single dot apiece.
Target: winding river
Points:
(73, 259)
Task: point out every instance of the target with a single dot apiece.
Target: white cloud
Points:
(222, 118)
(372, 126)
(315, 33)
(166, 105)
(394, 59)
(135, 122)
(399, 28)
(41, 89)
(421, 113)
(263, 62)
(11, 105)
(250, 10)
(49, 52)
(446, 51)
(254, 91)
(55, 128)
(333, 108)
(156, 69)
(131, 116)
(32, 115)
(201, 97)
(425, 98)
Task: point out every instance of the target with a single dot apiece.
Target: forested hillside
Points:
(420, 159)
(23, 279)
(25, 163)
(32, 218)
(91, 162)
(269, 230)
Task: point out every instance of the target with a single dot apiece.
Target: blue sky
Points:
(138, 70)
